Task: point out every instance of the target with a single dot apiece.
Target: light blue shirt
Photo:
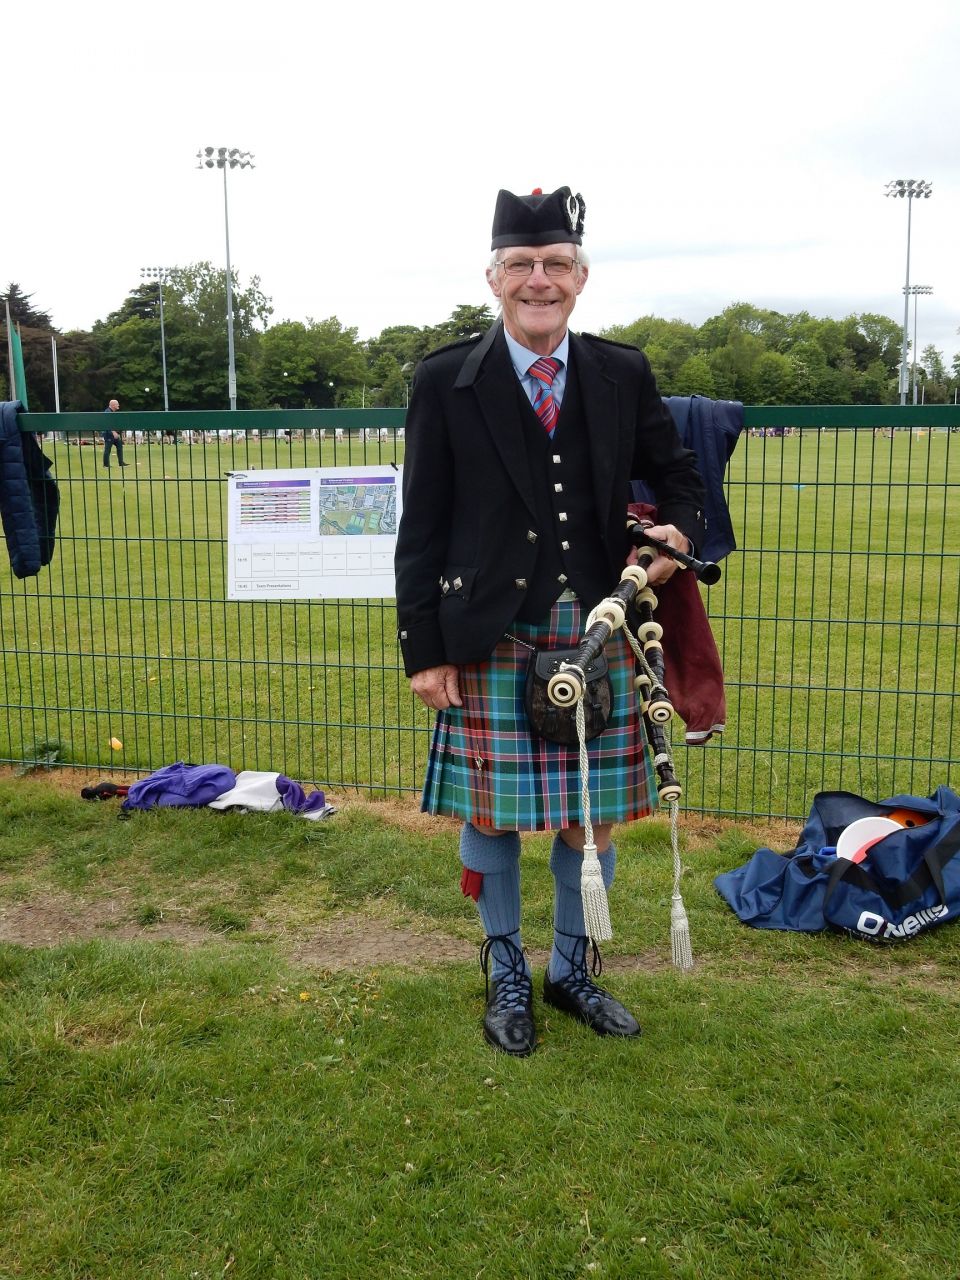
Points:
(523, 359)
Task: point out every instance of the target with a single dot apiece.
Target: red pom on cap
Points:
(537, 191)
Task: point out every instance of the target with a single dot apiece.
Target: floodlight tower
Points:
(160, 275)
(916, 289)
(909, 189)
(227, 158)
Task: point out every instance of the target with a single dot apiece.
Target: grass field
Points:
(249, 1046)
(836, 620)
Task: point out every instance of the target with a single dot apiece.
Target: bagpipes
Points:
(630, 605)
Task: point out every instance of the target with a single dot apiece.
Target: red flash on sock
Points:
(471, 883)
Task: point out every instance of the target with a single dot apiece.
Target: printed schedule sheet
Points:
(309, 533)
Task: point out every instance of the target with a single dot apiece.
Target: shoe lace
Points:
(579, 981)
(513, 990)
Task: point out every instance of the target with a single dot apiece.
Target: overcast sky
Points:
(726, 152)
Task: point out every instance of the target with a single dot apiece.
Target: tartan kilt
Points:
(485, 767)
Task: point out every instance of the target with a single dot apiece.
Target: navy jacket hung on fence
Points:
(29, 497)
(711, 428)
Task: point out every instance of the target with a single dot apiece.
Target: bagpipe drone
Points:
(630, 606)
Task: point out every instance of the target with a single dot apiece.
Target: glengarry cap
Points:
(537, 219)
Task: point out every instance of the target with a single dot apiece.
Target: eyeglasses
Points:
(525, 266)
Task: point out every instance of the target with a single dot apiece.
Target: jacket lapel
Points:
(488, 372)
(598, 392)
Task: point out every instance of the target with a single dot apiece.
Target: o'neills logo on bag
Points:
(875, 926)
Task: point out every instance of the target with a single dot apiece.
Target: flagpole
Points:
(13, 384)
(18, 356)
(56, 381)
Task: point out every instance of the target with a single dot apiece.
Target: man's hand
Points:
(437, 687)
(662, 567)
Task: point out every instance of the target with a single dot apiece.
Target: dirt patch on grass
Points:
(69, 780)
(403, 812)
(351, 941)
(346, 941)
(358, 942)
(51, 920)
(701, 832)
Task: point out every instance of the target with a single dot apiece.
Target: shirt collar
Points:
(523, 358)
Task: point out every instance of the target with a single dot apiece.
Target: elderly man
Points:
(112, 439)
(520, 449)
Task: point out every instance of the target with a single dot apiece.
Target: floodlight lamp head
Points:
(913, 188)
(207, 151)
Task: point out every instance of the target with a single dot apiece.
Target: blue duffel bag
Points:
(908, 882)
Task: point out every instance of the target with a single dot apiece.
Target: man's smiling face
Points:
(536, 306)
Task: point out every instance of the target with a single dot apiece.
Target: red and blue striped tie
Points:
(545, 370)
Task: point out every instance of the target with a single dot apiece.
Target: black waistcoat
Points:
(569, 551)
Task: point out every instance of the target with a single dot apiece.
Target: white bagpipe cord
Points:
(680, 944)
(596, 910)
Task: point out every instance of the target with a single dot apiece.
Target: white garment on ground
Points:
(256, 791)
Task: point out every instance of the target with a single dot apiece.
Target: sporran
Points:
(559, 724)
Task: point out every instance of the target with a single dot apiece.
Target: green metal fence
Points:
(836, 617)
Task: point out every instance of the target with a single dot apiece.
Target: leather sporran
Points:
(559, 724)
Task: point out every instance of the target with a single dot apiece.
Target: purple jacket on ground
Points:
(180, 785)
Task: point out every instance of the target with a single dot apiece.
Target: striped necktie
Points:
(545, 370)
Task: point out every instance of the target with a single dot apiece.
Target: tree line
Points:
(745, 353)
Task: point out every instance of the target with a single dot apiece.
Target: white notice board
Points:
(305, 533)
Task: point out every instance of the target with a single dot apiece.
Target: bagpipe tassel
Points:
(679, 924)
(680, 934)
(593, 892)
(596, 910)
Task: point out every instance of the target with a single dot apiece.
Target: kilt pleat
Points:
(485, 767)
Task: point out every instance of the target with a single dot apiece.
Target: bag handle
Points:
(901, 895)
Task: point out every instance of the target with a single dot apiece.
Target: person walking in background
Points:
(112, 439)
(520, 449)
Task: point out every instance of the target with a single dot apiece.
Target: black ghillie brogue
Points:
(579, 995)
(508, 1021)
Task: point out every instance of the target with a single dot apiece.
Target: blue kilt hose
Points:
(485, 767)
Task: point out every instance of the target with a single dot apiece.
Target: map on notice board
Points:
(312, 532)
